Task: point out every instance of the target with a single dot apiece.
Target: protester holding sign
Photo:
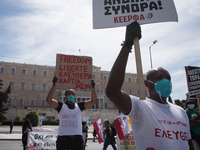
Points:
(70, 125)
(155, 123)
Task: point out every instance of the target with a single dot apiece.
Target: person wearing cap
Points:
(194, 118)
(70, 117)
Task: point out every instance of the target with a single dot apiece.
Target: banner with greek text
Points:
(73, 72)
(193, 81)
(42, 140)
(116, 13)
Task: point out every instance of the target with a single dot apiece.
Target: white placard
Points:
(116, 13)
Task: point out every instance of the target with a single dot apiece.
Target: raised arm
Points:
(52, 103)
(113, 90)
(93, 100)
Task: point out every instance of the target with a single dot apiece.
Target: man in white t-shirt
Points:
(70, 118)
(156, 124)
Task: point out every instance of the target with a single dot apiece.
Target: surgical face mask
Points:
(191, 106)
(70, 98)
(163, 87)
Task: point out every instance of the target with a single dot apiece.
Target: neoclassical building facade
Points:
(30, 85)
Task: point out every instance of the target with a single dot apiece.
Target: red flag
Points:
(121, 125)
(97, 126)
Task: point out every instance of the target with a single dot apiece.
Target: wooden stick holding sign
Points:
(139, 68)
(198, 103)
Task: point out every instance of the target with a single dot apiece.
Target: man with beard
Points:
(69, 112)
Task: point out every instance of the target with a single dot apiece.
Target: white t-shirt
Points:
(159, 126)
(70, 121)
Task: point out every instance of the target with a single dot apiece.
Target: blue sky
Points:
(34, 31)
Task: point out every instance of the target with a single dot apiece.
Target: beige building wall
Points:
(30, 85)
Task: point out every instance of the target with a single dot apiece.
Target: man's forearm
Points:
(117, 73)
(93, 96)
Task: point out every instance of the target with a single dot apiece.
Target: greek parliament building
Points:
(30, 85)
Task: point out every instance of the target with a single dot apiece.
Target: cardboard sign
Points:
(116, 13)
(73, 72)
(42, 139)
(128, 143)
(193, 81)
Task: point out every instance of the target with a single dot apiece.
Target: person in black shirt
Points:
(109, 132)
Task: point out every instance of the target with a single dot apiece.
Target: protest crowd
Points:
(143, 123)
(150, 124)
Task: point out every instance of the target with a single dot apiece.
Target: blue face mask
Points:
(191, 106)
(163, 87)
(70, 98)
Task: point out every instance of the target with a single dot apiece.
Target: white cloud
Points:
(46, 27)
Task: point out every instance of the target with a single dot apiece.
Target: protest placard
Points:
(193, 81)
(73, 72)
(42, 139)
(127, 143)
(116, 13)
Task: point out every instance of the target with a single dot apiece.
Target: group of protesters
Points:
(156, 123)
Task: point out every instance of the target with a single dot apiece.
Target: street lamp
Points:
(154, 42)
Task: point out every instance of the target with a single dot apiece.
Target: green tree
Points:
(178, 102)
(33, 117)
(17, 118)
(3, 102)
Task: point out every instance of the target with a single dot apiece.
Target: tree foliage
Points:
(17, 118)
(3, 102)
(33, 117)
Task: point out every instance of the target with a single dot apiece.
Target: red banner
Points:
(99, 129)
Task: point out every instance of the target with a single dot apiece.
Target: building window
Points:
(105, 105)
(2, 70)
(137, 92)
(130, 92)
(43, 102)
(44, 87)
(136, 80)
(13, 70)
(21, 101)
(32, 102)
(129, 80)
(23, 71)
(12, 85)
(10, 101)
(33, 86)
(146, 93)
(104, 78)
(93, 76)
(22, 86)
(45, 73)
(34, 72)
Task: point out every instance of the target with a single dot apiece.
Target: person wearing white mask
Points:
(194, 118)
(70, 117)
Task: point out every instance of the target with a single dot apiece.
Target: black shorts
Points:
(74, 142)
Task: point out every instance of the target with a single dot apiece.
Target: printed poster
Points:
(116, 13)
(193, 81)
